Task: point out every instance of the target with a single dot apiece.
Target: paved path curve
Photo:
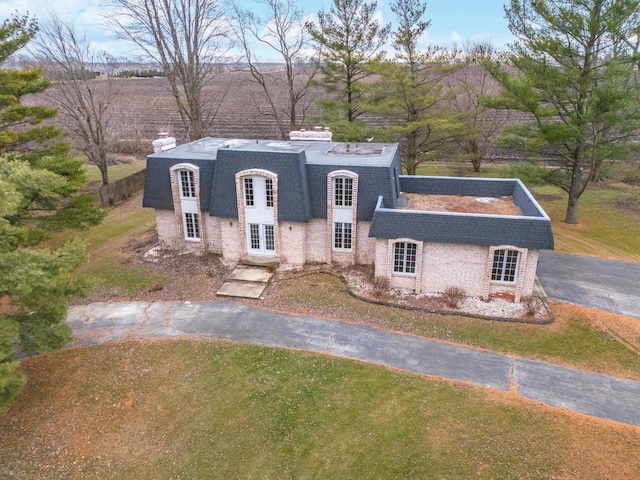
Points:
(588, 393)
(609, 285)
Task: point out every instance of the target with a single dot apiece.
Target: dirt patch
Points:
(462, 204)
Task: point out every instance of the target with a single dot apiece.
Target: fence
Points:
(117, 191)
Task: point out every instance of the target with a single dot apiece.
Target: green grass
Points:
(608, 220)
(574, 339)
(105, 244)
(213, 410)
(115, 172)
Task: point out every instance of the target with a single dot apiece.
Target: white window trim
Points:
(197, 227)
(333, 237)
(404, 273)
(187, 204)
(341, 213)
(516, 275)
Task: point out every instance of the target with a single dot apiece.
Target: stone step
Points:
(241, 289)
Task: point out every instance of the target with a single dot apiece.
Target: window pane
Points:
(192, 225)
(510, 264)
(187, 183)
(254, 232)
(343, 192)
(410, 259)
(248, 192)
(498, 261)
(337, 235)
(398, 257)
(347, 236)
(505, 265)
(269, 186)
(404, 257)
(269, 238)
(348, 192)
(338, 191)
(342, 235)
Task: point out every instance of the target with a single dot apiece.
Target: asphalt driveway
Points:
(589, 393)
(609, 285)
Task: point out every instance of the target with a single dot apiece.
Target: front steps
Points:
(247, 280)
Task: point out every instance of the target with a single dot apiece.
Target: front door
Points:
(262, 240)
(259, 215)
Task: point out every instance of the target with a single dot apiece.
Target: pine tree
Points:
(34, 169)
(348, 39)
(576, 74)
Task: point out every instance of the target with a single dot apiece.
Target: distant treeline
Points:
(140, 74)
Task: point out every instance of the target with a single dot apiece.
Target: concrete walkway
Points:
(588, 393)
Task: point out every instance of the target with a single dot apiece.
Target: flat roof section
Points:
(319, 153)
(461, 204)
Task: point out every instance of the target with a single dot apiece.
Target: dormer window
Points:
(185, 178)
(187, 183)
(343, 192)
(248, 192)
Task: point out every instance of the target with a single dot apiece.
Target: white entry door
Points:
(259, 215)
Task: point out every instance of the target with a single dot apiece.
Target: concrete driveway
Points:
(608, 285)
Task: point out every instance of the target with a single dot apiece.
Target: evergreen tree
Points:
(34, 169)
(348, 38)
(409, 90)
(577, 76)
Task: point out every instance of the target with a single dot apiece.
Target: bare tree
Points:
(189, 39)
(86, 103)
(467, 85)
(282, 31)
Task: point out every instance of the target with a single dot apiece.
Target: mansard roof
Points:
(302, 169)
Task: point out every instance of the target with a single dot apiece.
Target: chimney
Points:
(318, 134)
(163, 143)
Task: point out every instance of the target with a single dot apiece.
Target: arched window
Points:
(257, 204)
(342, 187)
(185, 177)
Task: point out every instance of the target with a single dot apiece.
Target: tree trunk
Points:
(104, 172)
(571, 215)
(575, 190)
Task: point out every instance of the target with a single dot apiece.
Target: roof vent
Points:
(235, 143)
(356, 149)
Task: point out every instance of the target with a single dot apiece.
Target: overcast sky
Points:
(451, 20)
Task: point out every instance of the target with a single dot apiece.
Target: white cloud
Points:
(457, 38)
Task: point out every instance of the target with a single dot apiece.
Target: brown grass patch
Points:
(462, 204)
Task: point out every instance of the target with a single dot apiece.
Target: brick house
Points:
(302, 202)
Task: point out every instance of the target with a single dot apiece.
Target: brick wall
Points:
(293, 239)
(169, 231)
(316, 241)
(232, 244)
(213, 230)
(448, 265)
(365, 245)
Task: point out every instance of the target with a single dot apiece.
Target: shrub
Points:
(453, 296)
(531, 304)
(381, 284)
